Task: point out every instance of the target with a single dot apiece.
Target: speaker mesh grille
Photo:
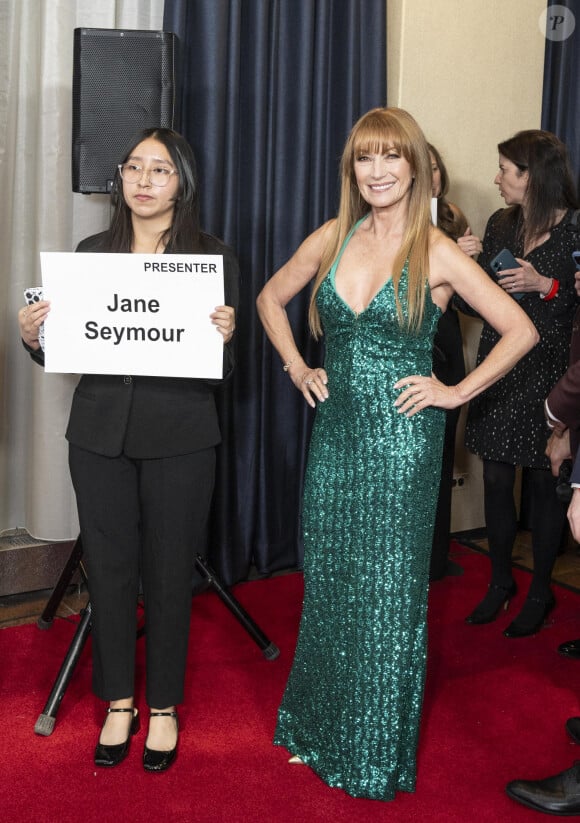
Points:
(123, 81)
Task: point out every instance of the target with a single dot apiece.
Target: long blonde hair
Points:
(376, 131)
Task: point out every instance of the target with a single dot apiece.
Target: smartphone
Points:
(576, 258)
(33, 294)
(502, 261)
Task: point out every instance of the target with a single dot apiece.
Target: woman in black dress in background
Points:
(506, 424)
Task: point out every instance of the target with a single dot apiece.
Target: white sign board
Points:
(133, 314)
(434, 210)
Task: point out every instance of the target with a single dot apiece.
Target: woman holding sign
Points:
(142, 461)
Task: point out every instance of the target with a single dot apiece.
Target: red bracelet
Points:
(553, 290)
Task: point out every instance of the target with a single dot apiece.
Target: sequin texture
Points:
(507, 421)
(352, 705)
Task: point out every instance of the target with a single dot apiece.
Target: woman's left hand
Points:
(525, 278)
(224, 317)
(420, 392)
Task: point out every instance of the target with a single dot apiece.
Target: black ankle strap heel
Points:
(159, 761)
(109, 756)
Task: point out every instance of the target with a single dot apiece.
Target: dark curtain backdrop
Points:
(269, 92)
(561, 93)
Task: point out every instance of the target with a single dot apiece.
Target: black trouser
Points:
(547, 521)
(141, 519)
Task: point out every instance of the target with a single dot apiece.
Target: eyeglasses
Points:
(158, 175)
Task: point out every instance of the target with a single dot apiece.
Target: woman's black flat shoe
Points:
(109, 756)
(159, 761)
(490, 606)
(531, 618)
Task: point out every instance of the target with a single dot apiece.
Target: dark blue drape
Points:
(269, 92)
(561, 92)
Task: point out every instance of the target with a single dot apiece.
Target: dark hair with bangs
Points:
(183, 235)
(550, 186)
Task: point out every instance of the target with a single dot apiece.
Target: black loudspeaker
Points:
(123, 81)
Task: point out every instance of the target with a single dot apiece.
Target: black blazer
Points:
(150, 417)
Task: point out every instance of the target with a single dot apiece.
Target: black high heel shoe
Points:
(158, 761)
(489, 608)
(113, 755)
(531, 618)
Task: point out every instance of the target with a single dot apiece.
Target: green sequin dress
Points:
(352, 705)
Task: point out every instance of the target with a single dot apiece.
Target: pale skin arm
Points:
(271, 303)
(453, 271)
(574, 515)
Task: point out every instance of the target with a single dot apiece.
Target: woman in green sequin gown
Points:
(352, 705)
(362, 639)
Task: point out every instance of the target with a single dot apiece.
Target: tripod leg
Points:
(46, 618)
(46, 720)
(269, 649)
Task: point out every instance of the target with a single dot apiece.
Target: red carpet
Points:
(494, 710)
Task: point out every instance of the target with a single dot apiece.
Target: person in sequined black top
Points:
(506, 425)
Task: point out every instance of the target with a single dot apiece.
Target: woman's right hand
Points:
(30, 319)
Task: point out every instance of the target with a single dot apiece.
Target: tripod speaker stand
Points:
(47, 719)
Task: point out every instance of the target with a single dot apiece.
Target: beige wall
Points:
(471, 73)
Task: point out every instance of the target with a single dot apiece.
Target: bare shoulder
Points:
(313, 247)
(323, 233)
(300, 269)
(441, 248)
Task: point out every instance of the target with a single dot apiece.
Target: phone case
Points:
(32, 295)
(502, 261)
